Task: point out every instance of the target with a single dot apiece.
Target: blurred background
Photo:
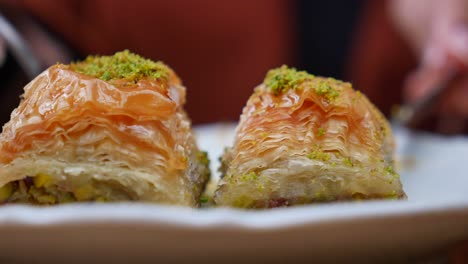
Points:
(394, 51)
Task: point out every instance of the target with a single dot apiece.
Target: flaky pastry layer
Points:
(72, 130)
(304, 139)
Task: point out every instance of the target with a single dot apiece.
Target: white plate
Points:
(435, 216)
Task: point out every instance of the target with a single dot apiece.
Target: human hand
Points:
(438, 33)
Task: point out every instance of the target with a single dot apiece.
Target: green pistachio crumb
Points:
(281, 79)
(348, 162)
(319, 155)
(326, 90)
(122, 65)
(320, 132)
(261, 187)
(392, 172)
(5, 192)
(202, 156)
(203, 199)
(252, 176)
(393, 195)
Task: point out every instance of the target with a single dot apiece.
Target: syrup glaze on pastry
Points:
(109, 128)
(305, 139)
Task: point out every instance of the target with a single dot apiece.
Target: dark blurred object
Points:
(326, 31)
(412, 114)
(12, 80)
(19, 48)
(18, 66)
(459, 253)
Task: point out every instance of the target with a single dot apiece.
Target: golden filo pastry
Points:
(304, 139)
(109, 128)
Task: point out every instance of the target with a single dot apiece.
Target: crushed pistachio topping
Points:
(393, 195)
(122, 65)
(249, 178)
(348, 162)
(260, 187)
(390, 170)
(281, 79)
(204, 199)
(320, 132)
(326, 90)
(202, 156)
(317, 154)
(5, 192)
(252, 176)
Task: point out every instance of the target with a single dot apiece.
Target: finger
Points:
(417, 84)
(435, 67)
(457, 45)
(435, 55)
(423, 81)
